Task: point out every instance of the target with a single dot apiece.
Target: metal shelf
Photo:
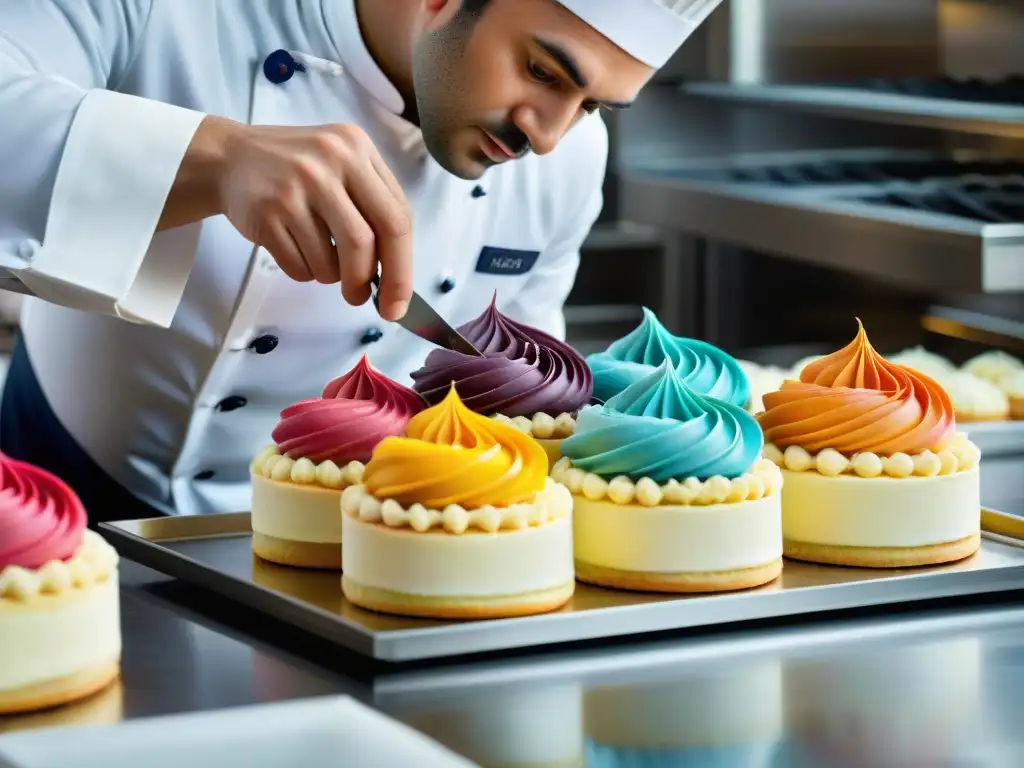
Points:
(623, 235)
(946, 114)
(974, 326)
(834, 224)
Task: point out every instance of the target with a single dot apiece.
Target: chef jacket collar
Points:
(343, 28)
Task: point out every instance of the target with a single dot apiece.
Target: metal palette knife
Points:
(424, 321)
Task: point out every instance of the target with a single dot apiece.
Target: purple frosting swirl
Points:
(523, 371)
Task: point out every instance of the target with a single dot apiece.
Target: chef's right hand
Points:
(291, 189)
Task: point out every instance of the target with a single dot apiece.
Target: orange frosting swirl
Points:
(451, 455)
(854, 400)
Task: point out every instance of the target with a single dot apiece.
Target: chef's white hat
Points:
(648, 30)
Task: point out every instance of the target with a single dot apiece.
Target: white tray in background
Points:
(329, 731)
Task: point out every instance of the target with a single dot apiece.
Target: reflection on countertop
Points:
(937, 687)
(871, 694)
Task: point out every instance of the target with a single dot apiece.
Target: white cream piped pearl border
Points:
(959, 456)
(93, 563)
(271, 464)
(551, 503)
(763, 479)
(542, 426)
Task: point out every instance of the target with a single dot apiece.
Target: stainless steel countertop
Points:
(946, 680)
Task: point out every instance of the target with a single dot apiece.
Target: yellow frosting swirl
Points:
(451, 455)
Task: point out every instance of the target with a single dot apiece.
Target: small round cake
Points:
(734, 718)
(669, 492)
(974, 398)
(525, 377)
(993, 365)
(60, 621)
(320, 448)
(920, 359)
(704, 368)
(874, 472)
(458, 519)
(1012, 385)
(762, 378)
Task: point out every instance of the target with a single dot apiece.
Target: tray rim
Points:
(546, 630)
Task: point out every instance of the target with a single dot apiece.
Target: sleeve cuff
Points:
(99, 252)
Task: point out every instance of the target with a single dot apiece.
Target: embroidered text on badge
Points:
(505, 261)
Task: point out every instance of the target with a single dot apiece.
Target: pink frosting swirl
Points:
(41, 518)
(355, 412)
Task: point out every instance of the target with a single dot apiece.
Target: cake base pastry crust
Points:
(977, 418)
(64, 690)
(709, 581)
(298, 554)
(464, 607)
(1017, 407)
(883, 557)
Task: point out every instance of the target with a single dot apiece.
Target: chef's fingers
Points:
(280, 244)
(392, 227)
(380, 165)
(355, 243)
(314, 240)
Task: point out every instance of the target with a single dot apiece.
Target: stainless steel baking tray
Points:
(214, 551)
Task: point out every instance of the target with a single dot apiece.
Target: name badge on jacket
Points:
(505, 261)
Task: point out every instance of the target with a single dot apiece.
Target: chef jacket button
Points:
(261, 345)
(447, 285)
(231, 403)
(279, 67)
(478, 191)
(372, 335)
(28, 249)
(206, 474)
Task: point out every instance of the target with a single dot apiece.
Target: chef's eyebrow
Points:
(568, 64)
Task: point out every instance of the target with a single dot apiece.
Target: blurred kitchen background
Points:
(804, 162)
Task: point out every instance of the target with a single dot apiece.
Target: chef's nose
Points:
(545, 126)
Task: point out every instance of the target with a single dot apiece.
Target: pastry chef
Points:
(149, 144)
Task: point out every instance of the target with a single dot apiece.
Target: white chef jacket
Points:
(174, 402)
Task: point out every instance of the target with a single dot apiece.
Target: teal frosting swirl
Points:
(704, 367)
(725, 756)
(660, 428)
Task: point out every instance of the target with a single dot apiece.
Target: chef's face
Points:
(495, 79)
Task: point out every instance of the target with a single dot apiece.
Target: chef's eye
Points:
(541, 74)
